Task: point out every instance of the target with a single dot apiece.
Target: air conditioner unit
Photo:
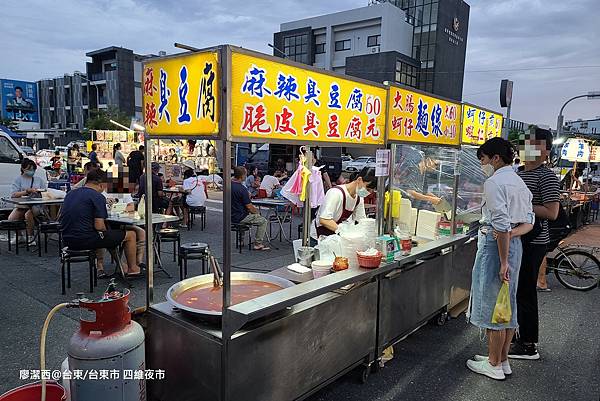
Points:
(375, 49)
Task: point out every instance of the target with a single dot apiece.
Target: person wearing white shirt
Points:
(343, 203)
(272, 182)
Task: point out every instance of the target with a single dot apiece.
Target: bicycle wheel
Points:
(578, 270)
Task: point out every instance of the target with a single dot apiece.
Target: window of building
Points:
(341, 45)
(406, 74)
(320, 48)
(373, 40)
(296, 47)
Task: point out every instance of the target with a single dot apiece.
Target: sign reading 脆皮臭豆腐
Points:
(181, 95)
(275, 100)
(419, 118)
(480, 125)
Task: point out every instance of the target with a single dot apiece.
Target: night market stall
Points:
(302, 333)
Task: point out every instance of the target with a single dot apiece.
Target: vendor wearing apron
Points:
(343, 202)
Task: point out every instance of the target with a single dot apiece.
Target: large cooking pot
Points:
(207, 280)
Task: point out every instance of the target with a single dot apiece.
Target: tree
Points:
(8, 123)
(100, 119)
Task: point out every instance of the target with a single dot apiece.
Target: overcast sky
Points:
(44, 39)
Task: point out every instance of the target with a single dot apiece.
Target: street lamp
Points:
(278, 50)
(559, 123)
(80, 74)
(119, 125)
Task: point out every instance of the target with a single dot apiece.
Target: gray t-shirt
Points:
(22, 183)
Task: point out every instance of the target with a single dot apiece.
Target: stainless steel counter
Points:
(288, 344)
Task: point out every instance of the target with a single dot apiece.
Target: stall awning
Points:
(10, 133)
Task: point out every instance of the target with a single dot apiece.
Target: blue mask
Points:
(362, 192)
(29, 173)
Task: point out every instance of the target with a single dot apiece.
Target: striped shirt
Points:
(545, 188)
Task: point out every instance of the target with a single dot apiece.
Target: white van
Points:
(11, 156)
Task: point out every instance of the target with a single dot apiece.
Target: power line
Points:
(514, 69)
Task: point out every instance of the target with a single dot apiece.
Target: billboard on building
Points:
(19, 101)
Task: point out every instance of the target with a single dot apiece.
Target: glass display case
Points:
(470, 191)
(422, 196)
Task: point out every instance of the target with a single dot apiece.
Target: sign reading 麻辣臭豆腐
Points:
(479, 125)
(419, 118)
(181, 95)
(275, 100)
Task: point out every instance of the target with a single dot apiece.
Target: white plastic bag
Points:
(330, 247)
(52, 193)
(287, 192)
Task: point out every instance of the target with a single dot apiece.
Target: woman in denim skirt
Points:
(507, 214)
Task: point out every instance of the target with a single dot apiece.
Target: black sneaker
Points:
(523, 351)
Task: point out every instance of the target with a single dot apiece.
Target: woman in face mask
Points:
(27, 184)
(507, 214)
(344, 202)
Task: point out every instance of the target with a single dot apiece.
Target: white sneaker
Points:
(505, 365)
(484, 368)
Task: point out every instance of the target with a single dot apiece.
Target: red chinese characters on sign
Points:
(150, 115)
(397, 124)
(283, 122)
(410, 104)
(354, 129)
(255, 119)
(408, 126)
(372, 129)
(450, 112)
(149, 87)
(333, 130)
(398, 101)
(311, 124)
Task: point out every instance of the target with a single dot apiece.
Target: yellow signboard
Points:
(181, 95)
(415, 117)
(273, 100)
(480, 125)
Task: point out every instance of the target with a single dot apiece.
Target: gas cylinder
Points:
(107, 356)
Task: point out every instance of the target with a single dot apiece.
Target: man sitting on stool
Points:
(83, 226)
(243, 211)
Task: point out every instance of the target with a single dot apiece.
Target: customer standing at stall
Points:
(544, 186)
(342, 203)
(118, 156)
(243, 211)
(73, 158)
(135, 162)
(93, 156)
(507, 214)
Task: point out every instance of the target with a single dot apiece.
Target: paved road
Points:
(429, 365)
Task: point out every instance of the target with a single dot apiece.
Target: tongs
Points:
(217, 272)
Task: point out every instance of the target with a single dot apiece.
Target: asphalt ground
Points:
(428, 365)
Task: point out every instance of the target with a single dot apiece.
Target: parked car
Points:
(11, 156)
(345, 160)
(28, 150)
(359, 163)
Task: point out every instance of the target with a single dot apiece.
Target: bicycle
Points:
(575, 267)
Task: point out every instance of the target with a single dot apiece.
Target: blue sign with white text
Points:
(19, 100)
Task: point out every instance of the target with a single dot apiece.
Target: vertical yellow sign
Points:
(181, 95)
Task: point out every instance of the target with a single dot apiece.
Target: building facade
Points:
(112, 79)
(589, 127)
(416, 43)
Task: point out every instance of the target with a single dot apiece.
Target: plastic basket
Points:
(369, 262)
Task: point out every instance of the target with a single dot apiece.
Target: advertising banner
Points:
(181, 95)
(415, 117)
(479, 125)
(19, 100)
(274, 100)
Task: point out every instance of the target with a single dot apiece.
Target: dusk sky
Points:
(526, 40)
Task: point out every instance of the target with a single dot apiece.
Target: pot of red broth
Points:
(197, 294)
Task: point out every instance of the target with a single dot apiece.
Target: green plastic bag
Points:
(502, 311)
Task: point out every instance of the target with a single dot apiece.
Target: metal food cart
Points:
(304, 336)
(423, 133)
(288, 344)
